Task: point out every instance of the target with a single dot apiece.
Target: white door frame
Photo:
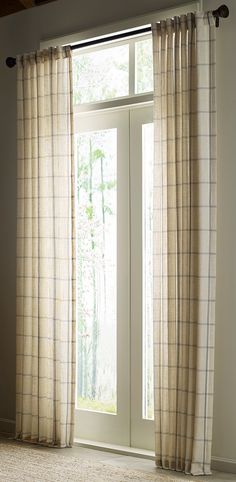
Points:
(142, 431)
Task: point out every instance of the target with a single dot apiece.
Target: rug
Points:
(20, 463)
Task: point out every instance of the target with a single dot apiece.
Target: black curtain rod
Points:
(221, 12)
(11, 61)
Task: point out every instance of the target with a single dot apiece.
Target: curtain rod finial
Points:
(223, 11)
(11, 62)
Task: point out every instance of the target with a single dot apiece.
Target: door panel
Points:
(114, 175)
(103, 407)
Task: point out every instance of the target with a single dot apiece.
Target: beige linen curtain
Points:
(45, 382)
(184, 240)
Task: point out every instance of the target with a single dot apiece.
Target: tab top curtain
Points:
(184, 240)
(45, 368)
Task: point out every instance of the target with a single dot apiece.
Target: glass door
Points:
(103, 331)
(114, 395)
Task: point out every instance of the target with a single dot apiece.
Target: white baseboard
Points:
(7, 426)
(223, 465)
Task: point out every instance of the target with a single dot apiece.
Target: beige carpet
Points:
(20, 462)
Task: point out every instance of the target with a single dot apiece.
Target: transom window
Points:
(113, 71)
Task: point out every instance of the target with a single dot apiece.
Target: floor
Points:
(136, 463)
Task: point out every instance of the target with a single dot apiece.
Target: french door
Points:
(114, 396)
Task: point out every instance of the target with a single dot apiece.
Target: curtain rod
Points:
(221, 12)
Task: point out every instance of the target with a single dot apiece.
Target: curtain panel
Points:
(45, 367)
(184, 240)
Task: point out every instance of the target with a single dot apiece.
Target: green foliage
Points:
(83, 169)
(96, 406)
(98, 154)
(111, 184)
(90, 212)
(106, 185)
(83, 173)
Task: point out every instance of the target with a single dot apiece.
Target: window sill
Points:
(117, 449)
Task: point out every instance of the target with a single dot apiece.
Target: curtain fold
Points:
(45, 366)
(184, 240)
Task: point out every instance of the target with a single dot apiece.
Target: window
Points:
(114, 154)
(113, 144)
(113, 96)
(94, 81)
(114, 71)
(143, 66)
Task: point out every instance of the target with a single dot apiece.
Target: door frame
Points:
(127, 428)
(142, 430)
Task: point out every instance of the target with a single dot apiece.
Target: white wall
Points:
(23, 32)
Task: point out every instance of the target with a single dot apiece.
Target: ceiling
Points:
(11, 6)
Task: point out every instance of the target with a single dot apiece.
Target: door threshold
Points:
(116, 449)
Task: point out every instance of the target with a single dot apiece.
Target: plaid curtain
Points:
(45, 249)
(184, 240)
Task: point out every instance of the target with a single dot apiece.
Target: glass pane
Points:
(96, 270)
(143, 66)
(101, 74)
(147, 208)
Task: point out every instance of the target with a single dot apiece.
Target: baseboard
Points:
(7, 426)
(223, 465)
